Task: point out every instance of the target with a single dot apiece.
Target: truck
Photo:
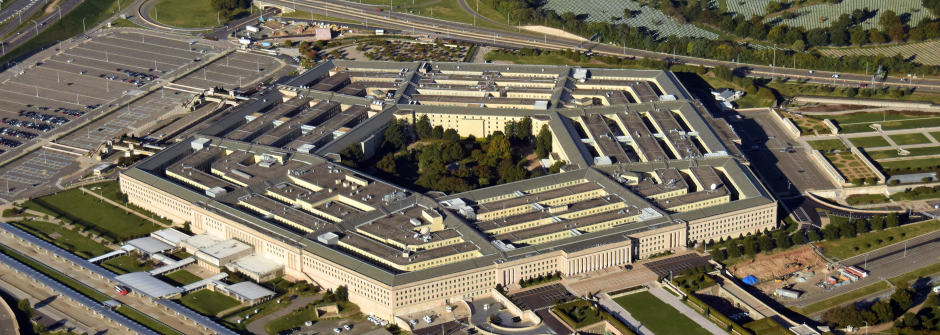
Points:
(787, 293)
(856, 271)
(252, 29)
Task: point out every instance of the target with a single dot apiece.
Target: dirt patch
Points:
(766, 267)
(51, 7)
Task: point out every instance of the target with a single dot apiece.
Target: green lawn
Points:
(873, 141)
(826, 145)
(307, 15)
(921, 151)
(766, 326)
(910, 123)
(187, 14)
(658, 316)
(866, 199)
(70, 240)
(927, 163)
(914, 275)
(208, 302)
(91, 12)
(181, 255)
(90, 211)
(847, 247)
(915, 138)
(448, 10)
(124, 23)
(125, 264)
(183, 277)
(293, 319)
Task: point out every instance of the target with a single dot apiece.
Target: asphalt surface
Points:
(493, 37)
(885, 263)
(673, 265)
(31, 31)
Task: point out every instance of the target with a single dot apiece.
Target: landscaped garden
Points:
(826, 145)
(208, 302)
(86, 210)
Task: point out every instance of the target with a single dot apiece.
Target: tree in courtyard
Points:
(451, 135)
(543, 142)
(423, 127)
(387, 164)
(437, 132)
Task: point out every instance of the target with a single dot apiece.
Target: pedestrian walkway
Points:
(257, 326)
(624, 316)
(686, 310)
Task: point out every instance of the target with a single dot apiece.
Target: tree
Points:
(734, 251)
(871, 181)
(39, 328)
(813, 235)
(783, 241)
(750, 246)
(395, 135)
(423, 127)
(882, 310)
(858, 181)
(861, 226)
(799, 45)
(288, 43)
(719, 254)
(773, 7)
(877, 222)
(766, 244)
(437, 132)
(876, 37)
(892, 220)
(342, 293)
(831, 232)
(902, 298)
(847, 230)
(858, 36)
(543, 142)
(26, 308)
(387, 164)
(797, 238)
(817, 37)
(352, 155)
(451, 135)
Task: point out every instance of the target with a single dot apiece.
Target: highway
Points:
(31, 31)
(423, 25)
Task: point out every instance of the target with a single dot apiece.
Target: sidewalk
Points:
(686, 310)
(257, 326)
(624, 316)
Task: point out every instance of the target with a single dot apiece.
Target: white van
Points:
(936, 289)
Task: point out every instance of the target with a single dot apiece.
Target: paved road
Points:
(405, 21)
(31, 31)
(7, 319)
(884, 263)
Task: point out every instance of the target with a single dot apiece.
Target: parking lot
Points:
(674, 265)
(542, 297)
(43, 167)
(90, 76)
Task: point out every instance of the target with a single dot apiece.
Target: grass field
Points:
(73, 242)
(891, 125)
(552, 59)
(88, 210)
(183, 277)
(904, 139)
(92, 12)
(826, 145)
(873, 141)
(264, 308)
(927, 163)
(297, 318)
(921, 151)
(766, 326)
(307, 15)
(125, 264)
(448, 10)
(862, 243)
(187, 14)
(658, 316)
(147, 321)
(208, 302)
(913, 275)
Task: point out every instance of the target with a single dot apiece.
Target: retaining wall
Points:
(866, 102)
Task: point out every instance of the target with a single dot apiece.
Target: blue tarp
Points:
(750, 280)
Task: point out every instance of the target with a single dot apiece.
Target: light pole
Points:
(866, 261)
(36, 24)
(905, 248)
(86, 30)
(218, 18)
